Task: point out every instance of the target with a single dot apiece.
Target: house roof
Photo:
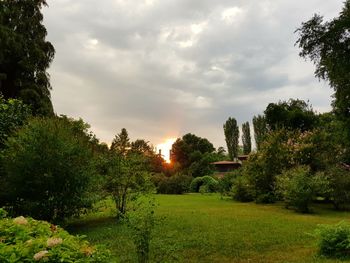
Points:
(226, 162)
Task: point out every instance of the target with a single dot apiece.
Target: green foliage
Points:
(246, 139)
(263, 167)
(334, 240)
(3, 213)
(297, 188)
(327, 45)
(48, 169)
(27, 240)
(260, 130)
(241, 189)
(121, 143)
(13, 114)
(25, 55)
(190, 148)
(339, 184)
(201, 164)
(231, 137)
(226, 181)
(174, 184)
(126, 178)
(290, 115)
(206, 184)
(141, 221)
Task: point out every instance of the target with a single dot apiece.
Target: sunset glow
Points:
(165, 148)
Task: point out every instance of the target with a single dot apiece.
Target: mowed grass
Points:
(206, 228)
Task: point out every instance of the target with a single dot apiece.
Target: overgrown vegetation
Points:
(28, 240)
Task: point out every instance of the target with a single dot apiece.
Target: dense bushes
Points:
(241, 190)
(297, 188)
(334, 240)
(27, 240)
(339, 187)
(205, 184)
(175, 184)
(48, 169)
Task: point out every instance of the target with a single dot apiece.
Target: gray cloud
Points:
(161, 68)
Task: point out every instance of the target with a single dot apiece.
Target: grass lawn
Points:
(205, 228)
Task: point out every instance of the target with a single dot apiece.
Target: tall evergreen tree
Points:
(121, 142)
(260, 129)
(25, 54)
(231, 137)
(246, 139)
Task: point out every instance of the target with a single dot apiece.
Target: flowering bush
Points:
(28, 240)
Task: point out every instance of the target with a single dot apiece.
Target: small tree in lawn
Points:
(247, 141)
(231, 136)
(127, 177)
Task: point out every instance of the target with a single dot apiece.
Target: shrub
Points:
(27, 240)
(241, 190)
(297, 188)
(127, 178)
(339, 180)
(334, 240)
(208, 184)
(175, 184)
(48, 169)
(141, 221)
(226, 182)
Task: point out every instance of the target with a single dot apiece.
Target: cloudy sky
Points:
(163, 68)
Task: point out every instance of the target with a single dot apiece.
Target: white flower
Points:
(40, 255)
(54, 241)
(20, 220)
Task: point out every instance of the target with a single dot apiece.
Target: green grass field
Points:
(205, 228)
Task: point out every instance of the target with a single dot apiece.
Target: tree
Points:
(260, 130)
(121, 142)
(48, 169)
(231, 137)
(246, 139)
(185, 150)
(291, 115)
(142, 147)
(327, 45)
(13, 114)
(127, 177)
(25, 54)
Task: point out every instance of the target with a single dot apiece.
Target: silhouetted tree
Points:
(25, 54)
(246, 139)
(231, 136)
(260, 130)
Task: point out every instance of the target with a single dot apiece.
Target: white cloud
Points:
(230, 15)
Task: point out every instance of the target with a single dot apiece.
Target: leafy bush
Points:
(297, 188)
(175, 184)
(13, 114)
(241, 190)
(339, 180)
(226, 182)
(141, 221)
(48, 169)
(334, 240)
(127, 178)
(208, 184)
(27, 240)
(263, 167)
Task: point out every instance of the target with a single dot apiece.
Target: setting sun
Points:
(165, 148)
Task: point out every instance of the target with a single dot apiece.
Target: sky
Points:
(164, 68)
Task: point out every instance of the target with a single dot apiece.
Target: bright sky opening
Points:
(165, 148)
